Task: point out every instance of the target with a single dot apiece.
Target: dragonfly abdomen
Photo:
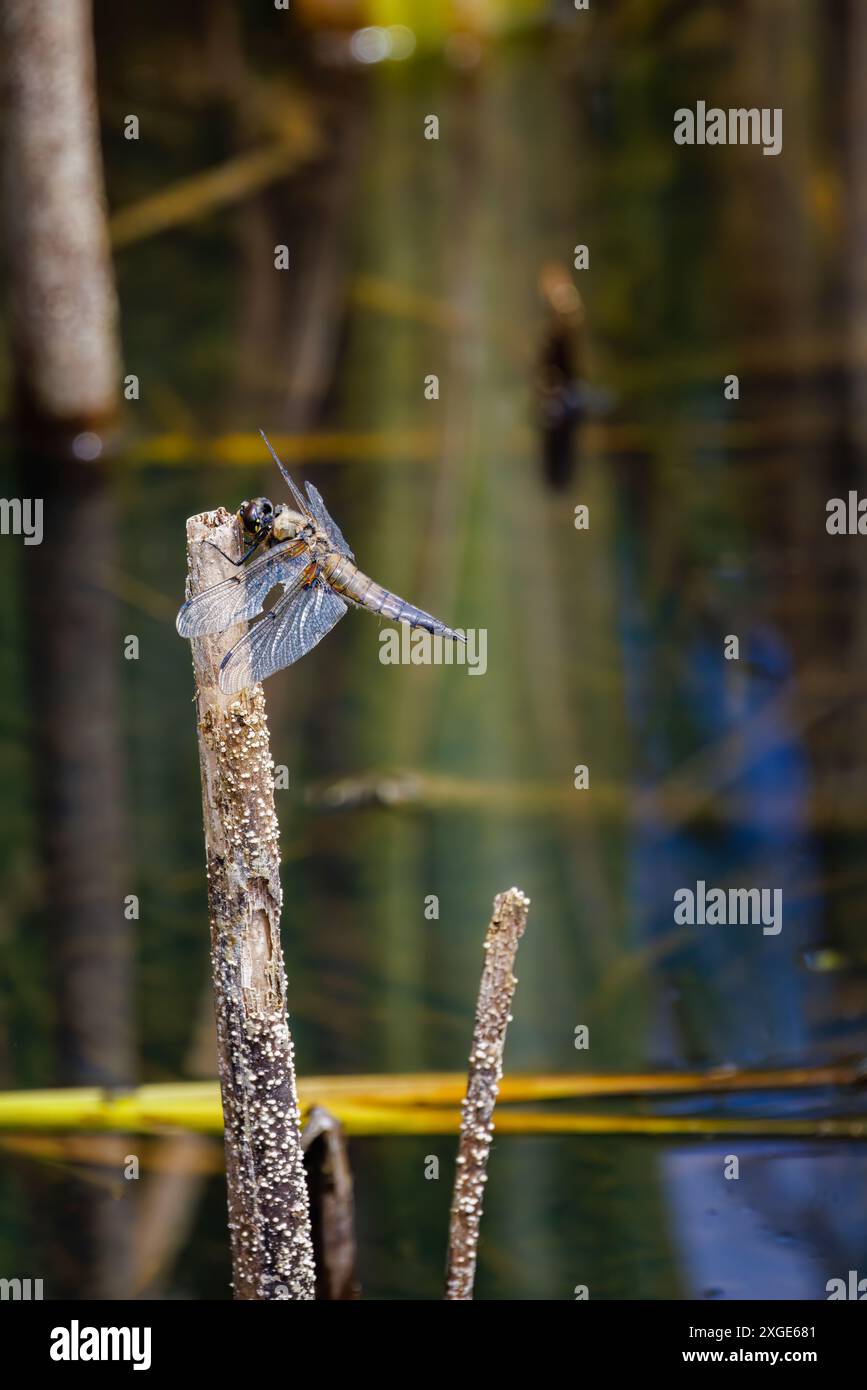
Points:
(348, 580)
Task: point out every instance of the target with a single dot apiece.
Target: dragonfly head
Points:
(256, 514)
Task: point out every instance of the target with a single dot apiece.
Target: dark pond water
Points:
(605, 646)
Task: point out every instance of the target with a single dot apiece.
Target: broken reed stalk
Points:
(332, 1206)
(486, 1068)
(269, 1223)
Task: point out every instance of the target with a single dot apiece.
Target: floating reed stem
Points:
(486, 1068)
(269, 1223)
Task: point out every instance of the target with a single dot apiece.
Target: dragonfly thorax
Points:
(287, 524)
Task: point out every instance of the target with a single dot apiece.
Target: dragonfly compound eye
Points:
(256, 514)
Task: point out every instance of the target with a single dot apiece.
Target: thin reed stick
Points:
(486, 1068)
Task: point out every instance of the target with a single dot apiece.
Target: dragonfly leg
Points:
(257, 541)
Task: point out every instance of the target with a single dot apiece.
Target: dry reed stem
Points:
(486, 1068)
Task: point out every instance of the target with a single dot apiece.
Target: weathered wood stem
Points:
(486, 1069)
(269, 1223)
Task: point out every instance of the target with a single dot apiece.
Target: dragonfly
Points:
(301, 549)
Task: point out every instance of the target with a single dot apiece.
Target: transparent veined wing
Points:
(243, 594)
(287, 632)
(327, 522)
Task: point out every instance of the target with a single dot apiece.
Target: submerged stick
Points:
(269, 1223)
(332, 1206)
(486, 1068)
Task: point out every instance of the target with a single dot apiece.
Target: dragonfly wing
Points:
(302, 501)
(243, 595)
(327, 522)
(286, 633)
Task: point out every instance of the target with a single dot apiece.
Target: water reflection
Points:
(71, 645)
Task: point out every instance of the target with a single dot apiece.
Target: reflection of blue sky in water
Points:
(729, 993)
(787, 1225)
(739, 995)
